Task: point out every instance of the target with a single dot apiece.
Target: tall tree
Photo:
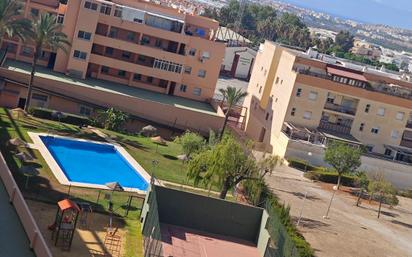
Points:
(228, 163)
(113, 119)
(191, 143)
(11, 23)
(344, 41)
(232, 97)
(343, 158)
(45, 34)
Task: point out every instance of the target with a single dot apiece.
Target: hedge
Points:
(331, 177)
(44, 113)
(303, 165)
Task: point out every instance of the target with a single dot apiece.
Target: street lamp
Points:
(335, 188)
(113, 186)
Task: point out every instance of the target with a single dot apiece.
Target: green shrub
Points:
(48, 114)
(301, 165)
(331, 177)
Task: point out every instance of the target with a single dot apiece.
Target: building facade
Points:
(300, 101)
(136, 44)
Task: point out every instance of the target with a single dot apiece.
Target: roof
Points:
(346, 73)
(340, 137)
(67, 204)
(226, 34)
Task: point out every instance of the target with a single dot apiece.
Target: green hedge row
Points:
(331, 177)
(48, 114)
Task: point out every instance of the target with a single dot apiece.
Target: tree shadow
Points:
(300, 195)
(311, 223)
(170, 157)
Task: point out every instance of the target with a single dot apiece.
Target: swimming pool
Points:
(92, 164)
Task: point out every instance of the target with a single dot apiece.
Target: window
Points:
(267, 116)
(381, 111)
(158, 43)
(145, 40)
(197, 91)
(192, 52)
(34, 12)
(167, 66)
(260, 89)
(362, 126)
(39, 97)
(141, 58)
(86, 111)
(28, 51)
(183, 88)
(113, 32)
(388, 152)
(137, 76)
(313, 96)
(126, 54)
(104, 70)
(395, 134)
(60, 18)
(118, 11)
(367, 108)
(307, 115)
(79, 54)
(201, 73)
(400, 115)
(188, 69)
(84, 35)
(109, 50)
(121, 73)
(44, 55)
(105, 9)
(90, 5)
(375, 130)
(277, 80)
(293, 111)
(330, 99)
(131, 36)
(369, 148)
(149, 79)
(299, 92)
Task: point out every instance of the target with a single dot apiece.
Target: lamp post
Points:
(114, 186)
(155, 163)
(307, 162)
(335, 188)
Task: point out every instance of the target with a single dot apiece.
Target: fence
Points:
(37, 242)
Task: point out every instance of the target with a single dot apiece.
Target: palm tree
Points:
(10, 22)
(45, 33)
(232, 96)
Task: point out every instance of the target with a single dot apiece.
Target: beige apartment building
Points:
(299, 101)
(152, 61)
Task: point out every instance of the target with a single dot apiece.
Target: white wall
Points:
(246, 59)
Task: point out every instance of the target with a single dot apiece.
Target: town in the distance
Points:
(204, 128)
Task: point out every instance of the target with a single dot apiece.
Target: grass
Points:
(133, 237)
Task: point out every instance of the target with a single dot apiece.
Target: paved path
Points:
(13, 239)
(351, 231)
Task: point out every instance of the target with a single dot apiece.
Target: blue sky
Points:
(396, 13)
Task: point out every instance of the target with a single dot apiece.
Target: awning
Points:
(399, 149)
(340, 137)
(346, 74)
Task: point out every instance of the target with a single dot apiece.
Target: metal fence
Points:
(152, 238)
(280, 243)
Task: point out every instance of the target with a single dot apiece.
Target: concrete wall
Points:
(37, 242)
(209, 214)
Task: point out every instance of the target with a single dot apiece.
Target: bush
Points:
(331, 177)
(301, 165)
(48, 114)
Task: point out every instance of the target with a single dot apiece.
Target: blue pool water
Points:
(87, 162)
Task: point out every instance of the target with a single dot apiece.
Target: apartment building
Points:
(300, 101)
(136, 49)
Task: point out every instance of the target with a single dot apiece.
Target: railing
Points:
(334, 127)
(406, 143)
(340, 108)
(37, 242)
(368, 86)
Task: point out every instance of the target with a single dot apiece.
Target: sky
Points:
(397, 13)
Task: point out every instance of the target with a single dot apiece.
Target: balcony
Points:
(409, 124)
(340, 108)
(406, 139)
(384, 89)
(339, 128)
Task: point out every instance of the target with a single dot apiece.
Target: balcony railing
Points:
(342, 129)
(367, 87)
(409, 124)
(340, 108)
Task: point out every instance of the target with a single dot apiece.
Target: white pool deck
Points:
(61, 177)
